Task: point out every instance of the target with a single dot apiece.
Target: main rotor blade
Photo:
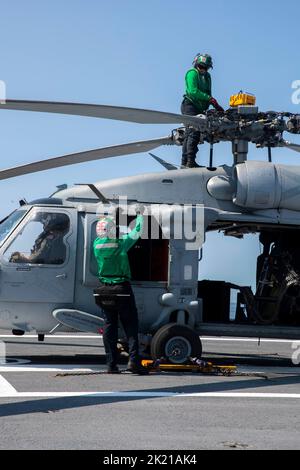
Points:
(290, 145)
(89, 155)
(141, 116)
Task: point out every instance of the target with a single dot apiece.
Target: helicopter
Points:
(49, 295)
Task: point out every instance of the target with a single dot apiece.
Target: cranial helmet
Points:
(106, 228)
(203, 59)
(51, 221)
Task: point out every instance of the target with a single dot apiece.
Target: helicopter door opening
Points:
(227, 261)
(149, 256)
(38, 259)
(262, 273)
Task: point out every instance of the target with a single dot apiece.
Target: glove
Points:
(139, 209)
(15, 257)
(216, 105)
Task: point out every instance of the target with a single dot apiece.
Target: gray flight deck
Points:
(52, 397)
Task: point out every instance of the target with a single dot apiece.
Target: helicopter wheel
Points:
(177, 343)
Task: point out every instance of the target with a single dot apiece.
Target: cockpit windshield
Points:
(9, 223)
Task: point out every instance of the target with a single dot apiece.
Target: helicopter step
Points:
(78, 320)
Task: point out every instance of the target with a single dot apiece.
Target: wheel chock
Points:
(198, 365)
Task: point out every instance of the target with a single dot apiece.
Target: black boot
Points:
(135, 367)
(183, 163)
(191, 163)
(113, 370)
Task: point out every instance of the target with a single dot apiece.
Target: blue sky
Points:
(136, 53)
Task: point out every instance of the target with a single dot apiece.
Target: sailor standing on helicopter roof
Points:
(197, 99)
(115, 295)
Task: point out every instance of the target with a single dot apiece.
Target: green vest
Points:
(111, 255)
(198, 89)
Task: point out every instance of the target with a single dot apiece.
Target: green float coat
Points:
(111, 255)
(198, 89)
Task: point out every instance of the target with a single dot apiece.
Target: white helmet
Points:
(106, 228)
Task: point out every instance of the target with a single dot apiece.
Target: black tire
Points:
(172, 338)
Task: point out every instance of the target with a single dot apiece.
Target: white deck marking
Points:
(50, 368)
(11, 394)
(53, 336)
(203, 338)
(75, 368)
(6, 388)
(249, 340)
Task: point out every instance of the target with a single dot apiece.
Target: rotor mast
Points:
(240, 149)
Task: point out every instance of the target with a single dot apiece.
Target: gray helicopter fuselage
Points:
(254, 194)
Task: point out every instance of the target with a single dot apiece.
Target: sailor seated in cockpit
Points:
(49, 247)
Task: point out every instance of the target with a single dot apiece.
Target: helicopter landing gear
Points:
(177, 343)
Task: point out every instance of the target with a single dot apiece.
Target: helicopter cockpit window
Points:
(41, 241)
(9, 223)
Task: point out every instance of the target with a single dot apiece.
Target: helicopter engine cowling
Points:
(261, 185)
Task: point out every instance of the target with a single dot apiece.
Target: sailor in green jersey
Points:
(197, 99)
(115, 295)
(111, 252)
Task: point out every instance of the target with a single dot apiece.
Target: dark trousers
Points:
(117, 301)
(192, 136)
